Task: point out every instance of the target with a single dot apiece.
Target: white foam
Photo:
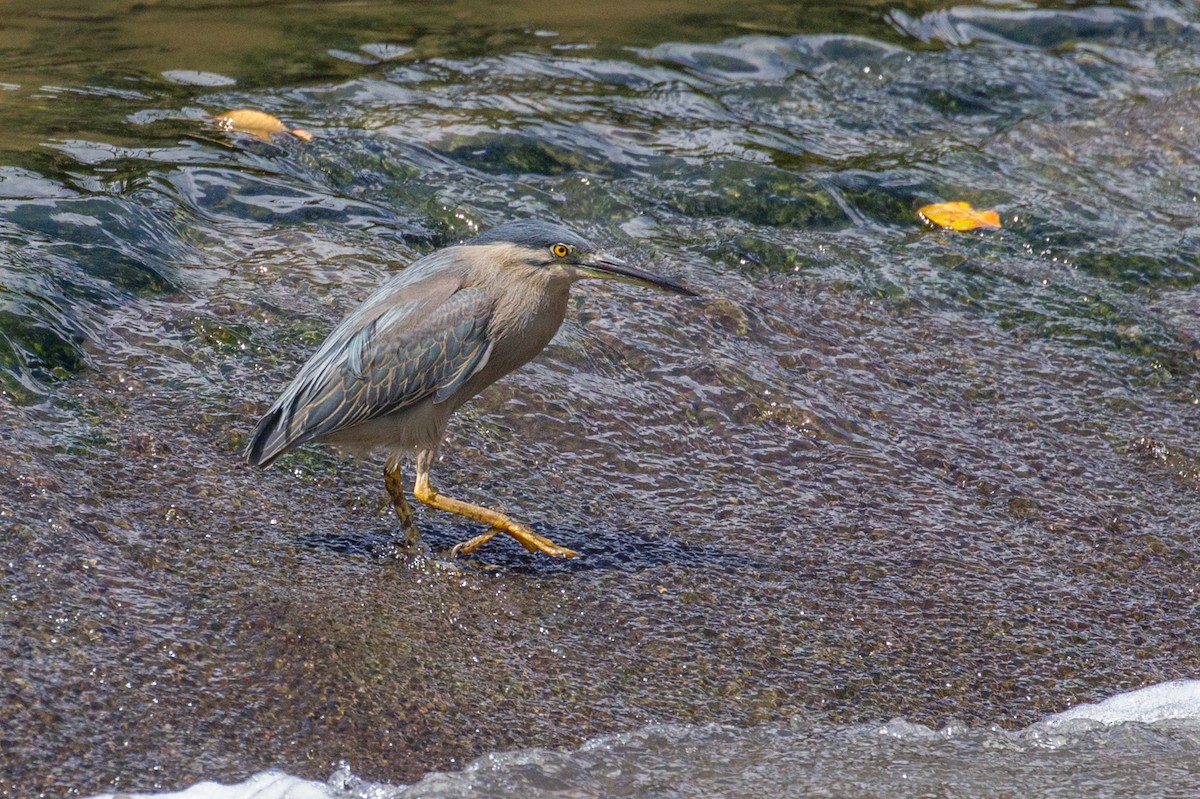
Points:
(1178, 699)
(264, 785)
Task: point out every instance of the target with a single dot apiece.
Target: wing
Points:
(401, 346)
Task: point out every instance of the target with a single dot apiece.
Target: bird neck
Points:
(525, 321)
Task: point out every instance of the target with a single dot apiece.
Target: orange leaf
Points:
(958, 216)
(256, 123)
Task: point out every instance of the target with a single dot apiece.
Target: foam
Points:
(264, 785)
(1178, 699)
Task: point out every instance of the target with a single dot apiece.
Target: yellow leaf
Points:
(256, 123)
(958, 216)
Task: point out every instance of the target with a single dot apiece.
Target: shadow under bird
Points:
(436, 334)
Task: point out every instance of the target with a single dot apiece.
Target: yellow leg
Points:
(497, 521)
(467, 547)
(393, 480)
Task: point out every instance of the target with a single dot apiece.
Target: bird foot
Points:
(498, 522)
(537, 543)
(527, 538)
(467, 547)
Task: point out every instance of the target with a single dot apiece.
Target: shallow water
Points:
(877, 470)
(1140, 743)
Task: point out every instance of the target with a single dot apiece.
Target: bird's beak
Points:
(609, 268)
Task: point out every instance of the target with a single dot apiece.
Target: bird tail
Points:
(270, 439)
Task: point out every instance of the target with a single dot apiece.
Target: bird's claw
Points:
(526, 537)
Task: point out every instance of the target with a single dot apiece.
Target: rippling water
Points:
(877, 470)
(1140, 743)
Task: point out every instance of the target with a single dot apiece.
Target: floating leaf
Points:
(958, 216)
(256, 123)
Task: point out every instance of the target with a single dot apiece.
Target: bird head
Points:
(544, 245)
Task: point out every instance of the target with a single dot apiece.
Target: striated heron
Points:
(436, 334)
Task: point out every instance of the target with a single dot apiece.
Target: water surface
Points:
(876, 471)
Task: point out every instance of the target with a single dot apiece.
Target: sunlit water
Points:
(876, 471)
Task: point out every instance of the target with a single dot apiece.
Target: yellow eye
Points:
(560, 250)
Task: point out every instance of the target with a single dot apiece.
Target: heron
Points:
(434, 335)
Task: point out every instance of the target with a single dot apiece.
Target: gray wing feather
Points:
(397, 349)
